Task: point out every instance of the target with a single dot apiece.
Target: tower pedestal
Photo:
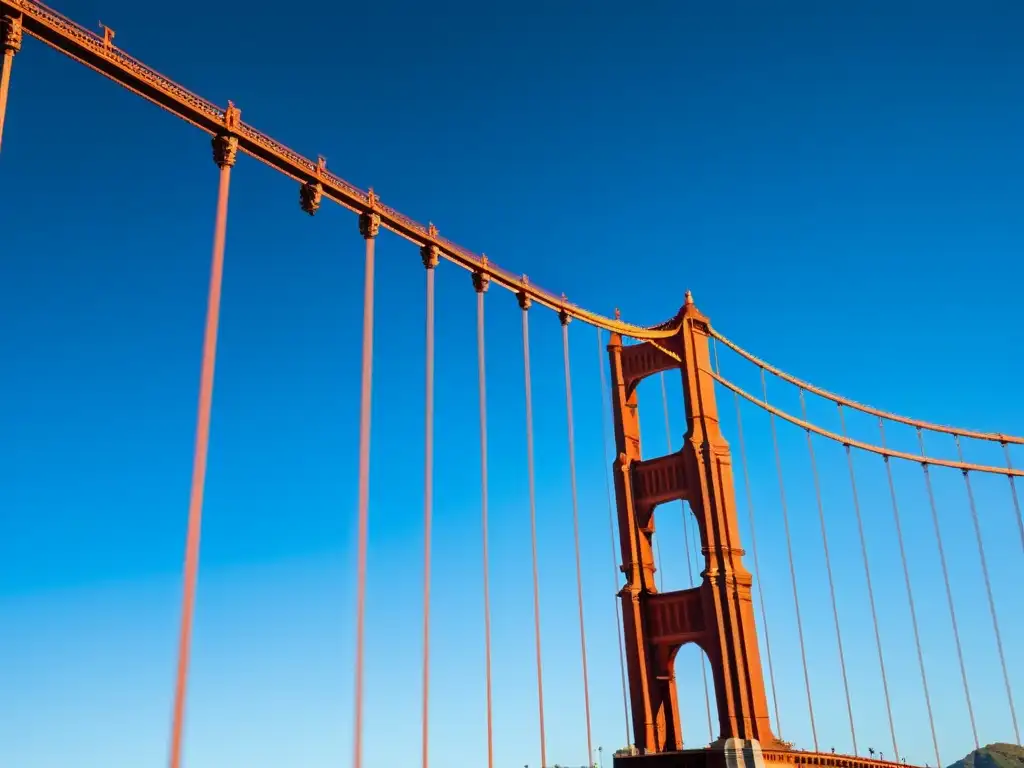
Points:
(740, 753)
(725, 753)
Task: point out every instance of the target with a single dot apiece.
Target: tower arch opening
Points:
(677, 547)
(695, 690)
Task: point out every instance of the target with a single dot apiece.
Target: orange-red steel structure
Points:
(369, 228)
(716, 614)
(10, 44)
(225, 151)
(98, 53)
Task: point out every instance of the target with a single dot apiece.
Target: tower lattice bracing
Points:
(717, 614)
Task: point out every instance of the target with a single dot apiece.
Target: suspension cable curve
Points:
(576, 527)
(430, 260)
(369, 226)
(224, 155)
(831, 580)
(867, 579)
(844, 440)
(910, 594)
(524, 303)
(480, 284)
(101, 55)
(949, 589)
(77, 42)
(988, 592)
(689, 564)
(1013, 492)
(840, 400)
(605, 408)
(792, 568)
(753, 542)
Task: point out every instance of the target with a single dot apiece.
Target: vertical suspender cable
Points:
(792, 566)
(949, 590)
(369, 226)
(695, 549)
(659, 574)
(576, 529)
(1013, 492)
(524, 303)
(10, 43)
(689, 562)
(753, 543)
(703, 659)
(828, 569)
(910, 594)
(867, 578)
(480, 283)
(606, 406)
(224, 151)
(430, 260)
(988, 591)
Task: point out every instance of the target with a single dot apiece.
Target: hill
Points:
(993, 756)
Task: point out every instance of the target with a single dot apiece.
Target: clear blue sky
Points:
(841, 188)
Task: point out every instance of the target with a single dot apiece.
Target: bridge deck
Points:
(710, 757)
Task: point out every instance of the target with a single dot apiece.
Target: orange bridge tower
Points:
(717, 615)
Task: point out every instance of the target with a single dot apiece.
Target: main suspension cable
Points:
(480, 283)
(869, 448)
(867, 578)
(988, 591)
(689, 562)
(792, 566)
(605, 407)
(828, 570)
(576, 527)
(430, 261)
(949, 589)
(840, 400)
(524, 303)
(369, 226)
(224, 154)
(1013, 492)
(910, 594)
(753, 543)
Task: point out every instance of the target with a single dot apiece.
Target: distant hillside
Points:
(993, 756)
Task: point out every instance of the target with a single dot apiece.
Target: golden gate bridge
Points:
(723, 612)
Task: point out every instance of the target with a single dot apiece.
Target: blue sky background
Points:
(840, 187)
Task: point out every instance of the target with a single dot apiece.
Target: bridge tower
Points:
(717, 615)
